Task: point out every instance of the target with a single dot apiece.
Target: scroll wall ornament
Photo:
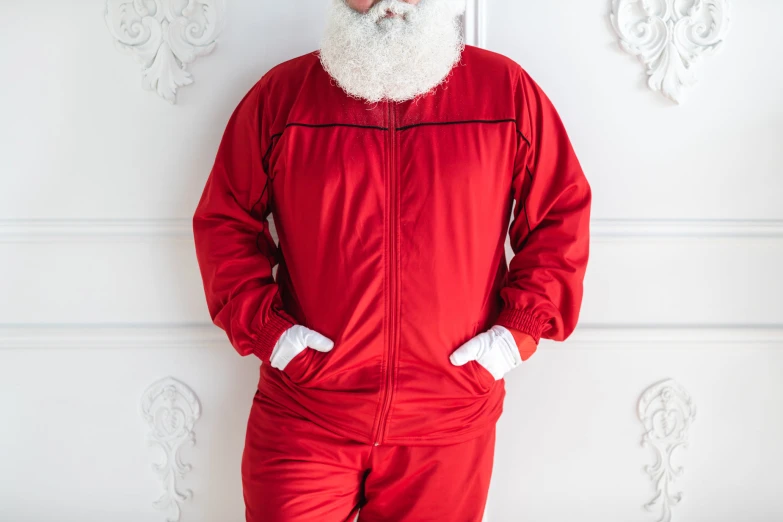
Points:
(666, 411)
(669, 37)
(164, 36)
(171, 409)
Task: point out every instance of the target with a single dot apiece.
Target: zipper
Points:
(388, 390)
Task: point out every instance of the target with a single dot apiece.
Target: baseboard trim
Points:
(143, 336)
(113, 230)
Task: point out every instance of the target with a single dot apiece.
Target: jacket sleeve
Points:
(549, 231)
(234, 247)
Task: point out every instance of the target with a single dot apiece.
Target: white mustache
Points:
(397, 7)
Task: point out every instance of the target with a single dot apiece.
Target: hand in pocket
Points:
(293, 341)
(495, 350)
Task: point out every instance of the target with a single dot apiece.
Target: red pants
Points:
(295, 471)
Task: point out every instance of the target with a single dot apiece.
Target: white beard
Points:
(397, 58)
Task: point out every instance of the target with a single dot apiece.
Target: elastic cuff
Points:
(265, 341)
(521, 320)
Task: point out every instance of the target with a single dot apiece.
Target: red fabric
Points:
(525, 343)
(391, 221)
(293, 470)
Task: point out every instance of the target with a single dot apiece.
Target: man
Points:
(389, 160)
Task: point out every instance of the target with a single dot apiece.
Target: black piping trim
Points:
(294, 124)
(406, 127)
(523, 137)
(524, 209)
(266, 183)
(505, 120)
(265, 158)
(529, 230)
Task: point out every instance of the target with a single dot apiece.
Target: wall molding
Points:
(591, 335)
(206, 335)
(674, 228)
(476, 23)
(90, 230)
(67, 336)
(112, 230)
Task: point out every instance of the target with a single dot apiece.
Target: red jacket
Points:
(391, 221)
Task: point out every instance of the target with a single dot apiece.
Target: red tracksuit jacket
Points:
(391, 220)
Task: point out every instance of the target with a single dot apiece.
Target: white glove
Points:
(496, 350)
(295, 339)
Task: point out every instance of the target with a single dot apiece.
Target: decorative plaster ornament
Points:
(164, 36)
(669, 37)
(171, 409)
(666, 412)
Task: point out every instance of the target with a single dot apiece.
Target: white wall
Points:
(101, 294)
(684, 280)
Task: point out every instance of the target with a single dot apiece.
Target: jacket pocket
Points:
(303, 369)
(482, 376)
(483, 380)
